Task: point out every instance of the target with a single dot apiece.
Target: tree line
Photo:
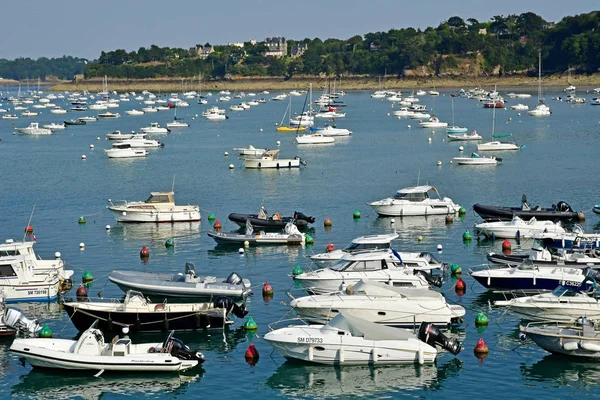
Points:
(21, 69)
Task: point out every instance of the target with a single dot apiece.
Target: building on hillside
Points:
(482, 31)
(276, 47)
(201, 51)
(298, 50)
(236, 44)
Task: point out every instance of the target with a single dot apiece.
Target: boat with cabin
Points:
(159, 207)
(415, 201)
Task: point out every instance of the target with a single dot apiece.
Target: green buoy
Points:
(45, 332)
(297, 270)
(455, 269)
(462, 211)
(308, 239)
(356, 214)
(250, 325)
(170, 242)
(467, 236)
(481, 319)
(81, 220)
(86, 276)
(211, 217)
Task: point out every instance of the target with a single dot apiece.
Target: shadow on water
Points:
(562, 371)
(301, 380)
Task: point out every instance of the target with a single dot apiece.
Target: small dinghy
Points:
(579, 339)
(518, 228)
(359, 244)
(290, 236)
(558, 212)
(141, 315)
(91, 353)
(275, 222)
(187, 285)
(349, 340)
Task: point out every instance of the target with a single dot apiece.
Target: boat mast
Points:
(539, 77)
(29, 222)
(173, 184)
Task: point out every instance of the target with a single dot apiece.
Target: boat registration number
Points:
(572, 283)
(309, 339)
(37, 292)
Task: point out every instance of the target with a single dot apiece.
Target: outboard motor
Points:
(231, 306)
(234, 279)
(434, 280)
(563, 206)
(182, 351)
(16, 319)
(299, 215)
(430, 334)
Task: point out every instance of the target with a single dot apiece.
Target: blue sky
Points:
(35, 28)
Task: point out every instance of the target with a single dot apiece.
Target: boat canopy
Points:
(358, 327)
(161, 197)
(416, 193)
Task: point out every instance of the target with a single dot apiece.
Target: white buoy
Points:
(461, 148)
(439, 163)
(429, 140)
(408, 126)
(241, 250)
(125, 330)
(108, 227)
(392, 221)
(439, 247)
(450, 161)
(231, 166)
(519, 114)
(57, 255)
(81, 245)
(83, 157)
(98, 138)
(433, 132)
(388, 114)
(226, 154)
(261, 129)
(278, 143)
(91, 146)
(246, 243)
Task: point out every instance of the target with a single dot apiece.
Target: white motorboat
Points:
(580, 339)
(290, 236)
(249, 151)
(270, 159)
(314, 138)
(519, 107)
(280, 97)
(58, 110)
(55, 127)
(476, 159)
(9, 116)
(433, 122)
(415, 201)
(518, 228)
(150, 109)
(124, 150)
(25, 277)
(154, 128)
(380, 303)
(177, 123)
(134, 112)
(90, 352)
(29, 114)
(142, 143)
(118, 135)
(497, 145)
(88, 119)
(329, 130)
(595, 101)
(98, 106)
(109, 114)
(186, 285)
(215, 116)
(159, 207)
(465, 136)
(361, 243)
(387, 266)
(330, 114)
(541, 109)
(565, 303)
(348, 340)
(551, 257)
(236, 107)
(34, 129)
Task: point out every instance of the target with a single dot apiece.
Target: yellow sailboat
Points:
(289, 128)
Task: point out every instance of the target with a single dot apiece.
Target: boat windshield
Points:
(429, 257)
(366, 246)
(158, 198)
(359, 266)
(564, 291)
(416, 197)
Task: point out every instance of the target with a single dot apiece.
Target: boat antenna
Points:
(29, 222)
(173, 185)
(419, 177)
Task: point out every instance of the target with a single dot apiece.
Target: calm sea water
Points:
(383, 155)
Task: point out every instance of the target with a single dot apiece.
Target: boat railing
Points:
(288, 321)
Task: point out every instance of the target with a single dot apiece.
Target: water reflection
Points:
(182, 232)
(562, 371)
(301, 380)
(59, 385)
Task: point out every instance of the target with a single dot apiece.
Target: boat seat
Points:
(115, 340)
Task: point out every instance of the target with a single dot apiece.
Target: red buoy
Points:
(460, 287)
(217, 225)
(481, 347)
(330, 247)
(144, 252)
(81, 292)
(267, 290)
(251, 355)
(506, 246)
(29, 229)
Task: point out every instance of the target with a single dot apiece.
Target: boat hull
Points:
(260, 223)
(507, 213)
(282, 163)
(128, 215)
(256, 240)
(411, 209)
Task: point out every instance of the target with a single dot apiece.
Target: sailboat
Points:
(496, 144)
(201, 99)
(311, 138)
(454, 128)
(177, 123)
(289, 128)
(541, 109)
(570, 88)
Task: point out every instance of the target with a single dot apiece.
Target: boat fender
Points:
(152, 349)
(165, 324)
(204, 321)
(259, 165)
(589, 346)
(109, 323)
(570, 346)
(277, 165)
(138, 324)
(197, 321)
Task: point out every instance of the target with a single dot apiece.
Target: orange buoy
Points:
(481, 348)
(81, 292)
(251, 355)
(460, 287)
(330, 247)
(506, 246)
(29, 229)
(327, 222)
(144, 252)
(217, 225)
(267, 290)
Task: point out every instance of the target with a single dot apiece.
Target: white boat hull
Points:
(497, 146)
(281, 163)
(124, 214)
(394, 208)
(126, 153)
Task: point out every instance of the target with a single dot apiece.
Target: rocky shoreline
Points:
(319, 83)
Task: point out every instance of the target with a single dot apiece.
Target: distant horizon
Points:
(187, 23)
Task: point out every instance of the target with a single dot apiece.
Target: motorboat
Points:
(75, 122)
(359, 244)
(415, 201)
(518, 228)
(274, 222)
(332, 131)
(527, 277)
(118, 135)
(270, 159)
(109, 114)
(290, 236)
(215, 116)
(91, 353)
(465, 136)
(177, 123)
(559, 212)
(380, 303)
(236, 107)
(576, 239)
(387, 266)
(493, 104)
(154, 128)
(28, 278)
(433, 122)
(496, 145)
(88, 119)
(249, 151)
(34, 129)
(142, 143)
(349, 340)
(125, 150)
(142, 315)
(549, 257)
(54, 126)
(314, 138)
(10, 116)
(29, 114)
(186, 285)
(58, 110)
(579, 339)
(456, 129)
(519, 107)
(565, 303)
(159, 207)
(595, 101)
(330, 114)
(150, 109)
(134, 112)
